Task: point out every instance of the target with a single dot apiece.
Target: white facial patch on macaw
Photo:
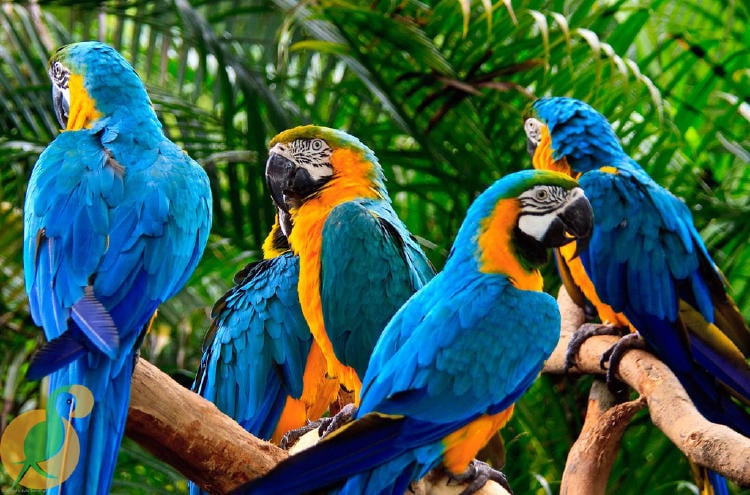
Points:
(314, 155)
(60, 77)
(536, 225)
(540, 206)
(533, 129)
(282, 149)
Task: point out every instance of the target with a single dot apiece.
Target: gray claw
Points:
(477, 475)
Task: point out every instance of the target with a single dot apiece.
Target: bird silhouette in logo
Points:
(40, 448)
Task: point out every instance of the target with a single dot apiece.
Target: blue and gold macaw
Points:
(453, 360)
(646, 266)
(357, 261)
(116, 219)
(258, 347)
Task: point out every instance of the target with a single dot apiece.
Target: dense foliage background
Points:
(438, 89)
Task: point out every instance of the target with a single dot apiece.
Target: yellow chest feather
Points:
(581, 279)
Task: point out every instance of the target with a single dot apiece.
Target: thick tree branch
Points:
(188, 432)
(708, 444)
(592, 456)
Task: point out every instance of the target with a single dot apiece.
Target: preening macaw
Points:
(357, 261)
(116, 219)
(646, 265)
(450, 364)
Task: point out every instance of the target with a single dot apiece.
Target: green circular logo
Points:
(40, 448)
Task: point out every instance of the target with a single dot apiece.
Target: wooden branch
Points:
(592, 456)
(189, 433)
(708, 444)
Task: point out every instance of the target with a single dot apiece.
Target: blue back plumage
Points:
(647, 260)
(255, 351)
(467, 344)
(116, 219)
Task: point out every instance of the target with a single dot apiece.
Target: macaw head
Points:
(306, 160)
(518, 218)
(91, 80)
(569, 136)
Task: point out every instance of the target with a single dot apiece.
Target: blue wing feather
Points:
(645, 259)
(54, 355)
(437, 363)
(256, 350)
(637, 273)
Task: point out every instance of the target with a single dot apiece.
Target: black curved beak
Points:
(279, 175)
(289, 184)
(574, 223)
(531, 147)
(61, 106)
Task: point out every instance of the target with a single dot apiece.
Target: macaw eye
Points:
(541, 194)
(317, 144)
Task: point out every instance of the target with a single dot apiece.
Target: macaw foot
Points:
(331, 424)
(324, 426)
(614, 355)
(585, 332)
(477, 475)
(291, 437)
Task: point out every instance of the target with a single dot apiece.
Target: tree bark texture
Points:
(708, 444)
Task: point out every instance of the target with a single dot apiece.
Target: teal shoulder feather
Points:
(370, 265)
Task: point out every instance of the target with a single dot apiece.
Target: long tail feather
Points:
(361, 445)
(709, 482)
(100, 432)
(718, 483)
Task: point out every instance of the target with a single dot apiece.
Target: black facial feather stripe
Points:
(60, 75)
(543, 199)
(312, 152)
